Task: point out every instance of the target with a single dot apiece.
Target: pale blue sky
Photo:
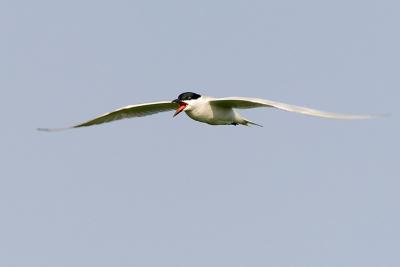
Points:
(159, 191)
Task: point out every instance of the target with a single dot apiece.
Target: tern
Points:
(206, 109)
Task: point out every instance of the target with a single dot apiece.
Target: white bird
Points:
(214, 111)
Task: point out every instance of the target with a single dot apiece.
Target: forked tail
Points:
(246, 122)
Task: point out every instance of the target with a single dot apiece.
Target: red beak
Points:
(182, 106)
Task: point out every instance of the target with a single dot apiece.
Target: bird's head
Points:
(184, 100)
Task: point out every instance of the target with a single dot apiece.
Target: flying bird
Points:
(206, 109)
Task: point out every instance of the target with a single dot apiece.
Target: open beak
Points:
(182, 106)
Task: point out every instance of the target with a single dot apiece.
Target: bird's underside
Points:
(215, 111)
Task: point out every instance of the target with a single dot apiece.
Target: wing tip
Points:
(368, 117)
(50, 130)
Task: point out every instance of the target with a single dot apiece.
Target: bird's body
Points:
(202, 110)
(210, 110)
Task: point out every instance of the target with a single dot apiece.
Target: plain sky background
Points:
(158, 191)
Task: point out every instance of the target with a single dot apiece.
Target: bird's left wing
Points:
(131, 111)
(245, 102)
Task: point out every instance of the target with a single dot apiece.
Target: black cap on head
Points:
(188, 96)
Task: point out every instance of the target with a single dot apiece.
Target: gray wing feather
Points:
(245, 102)
(126, 112)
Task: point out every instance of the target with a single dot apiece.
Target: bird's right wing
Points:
(131, 111)
(246, 102)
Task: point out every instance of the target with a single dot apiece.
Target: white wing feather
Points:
(245, 102)
(125, 112)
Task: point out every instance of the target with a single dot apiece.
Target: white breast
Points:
(201, 110)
